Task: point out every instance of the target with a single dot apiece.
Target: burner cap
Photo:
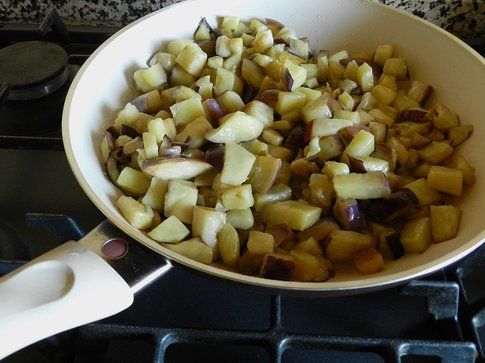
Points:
(33, 69)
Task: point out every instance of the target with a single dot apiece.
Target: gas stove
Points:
(184, 316)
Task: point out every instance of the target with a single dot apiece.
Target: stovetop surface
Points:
(188, 317)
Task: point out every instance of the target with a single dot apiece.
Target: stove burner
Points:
(33, 69)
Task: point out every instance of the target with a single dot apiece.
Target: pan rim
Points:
(339, 287)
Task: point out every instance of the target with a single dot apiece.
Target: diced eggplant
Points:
(365, 164)
(443, 118)
(264, 173)
(194, 249)
(368, 261)
(423, 192)
(203, 31)
(303, 168)
(149, 102)
(362, 186)
(343, 245)
(415, 115)
(398, 204)
(376, 68)
(416, 235)
(277, 193)
(459, 134)
(445, 180)
(129, 131)
(420, 92)
(390, 245)
(445, 221)
(346, 212)
(269, 97)
(169, 168)
(291, 213)
(468, 171)
(213, 111)
(277, 266)
(281, 234)
(436, 152)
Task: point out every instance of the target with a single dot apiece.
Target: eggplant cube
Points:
(342, 245)
(237, 164)
(240, 197)
(260, 243)
(423, 192)
(187, 111)
(416, 235)
(155, 196)
(171, 230)
(229, 245)
(192, 59)
(362, 186)
(346, 212)
(133, 181)
(446, 180)
(137, 214)
(206, 224)
(240, 218)
(291, 213)
(277, 266)
(194, 249)
(368, 261)
(180, 199)
(445, 221)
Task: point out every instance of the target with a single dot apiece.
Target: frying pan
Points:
(78, 282)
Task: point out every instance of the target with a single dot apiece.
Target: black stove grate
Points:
(185, 317)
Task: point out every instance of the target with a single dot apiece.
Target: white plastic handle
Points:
(62, 289)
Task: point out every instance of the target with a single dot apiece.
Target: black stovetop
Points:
(186, 317)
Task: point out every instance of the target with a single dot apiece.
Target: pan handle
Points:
(62, 289)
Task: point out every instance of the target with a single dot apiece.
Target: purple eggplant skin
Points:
(356, 165)
(395, 246)
(215, 156)
(129, 131)
(294, 140)
(398, 204)
(347, 214)
(213, 110)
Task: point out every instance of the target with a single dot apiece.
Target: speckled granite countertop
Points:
(462, 17)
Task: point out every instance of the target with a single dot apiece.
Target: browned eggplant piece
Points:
(319, 231)
(113, 132)
(420, 92)
(170, 168)
(281, 233)
(376, 69)
(249, 264)
(172, 151)
(213, 110)
(416, 115)
(346, 212)
(294, 140)
(385, 153)
(249, 92)
(129, 131)
(208, 46)
(390, 245)
(348, 133)
(399, 203)
(269, 96)
(215, 156)
(277, 266)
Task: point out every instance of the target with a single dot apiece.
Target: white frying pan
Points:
(72, 285)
